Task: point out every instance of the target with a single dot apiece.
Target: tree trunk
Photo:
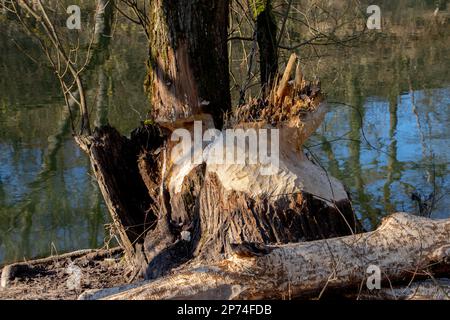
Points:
(103, 22)
(169, 212)
(188, 66)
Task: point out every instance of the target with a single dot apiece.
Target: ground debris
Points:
(63, 277)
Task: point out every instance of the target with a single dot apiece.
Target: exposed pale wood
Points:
(403, 247)
(167, 213)
(299, 82)
(153, 200)
(222, 203)
(96, 294)
(281, 91)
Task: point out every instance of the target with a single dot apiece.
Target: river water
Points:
(386, 135)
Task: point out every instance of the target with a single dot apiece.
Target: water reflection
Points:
(401, 149)
(48, 200)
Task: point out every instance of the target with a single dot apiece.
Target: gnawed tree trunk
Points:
(168, 212)
(404, 247)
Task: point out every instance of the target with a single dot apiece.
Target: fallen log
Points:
(405, 248)
(431, 289)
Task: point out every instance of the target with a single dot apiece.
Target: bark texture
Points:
(169, 212)
(188, 66)
(404, 247)
(114, 164)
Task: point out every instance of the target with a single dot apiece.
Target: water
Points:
(49, 202)
(398, 87)
(406, 151)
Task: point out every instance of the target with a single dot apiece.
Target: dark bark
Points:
(103, 21)
(226, 219)
(266, 33)
(188, 66)
(114, 164)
